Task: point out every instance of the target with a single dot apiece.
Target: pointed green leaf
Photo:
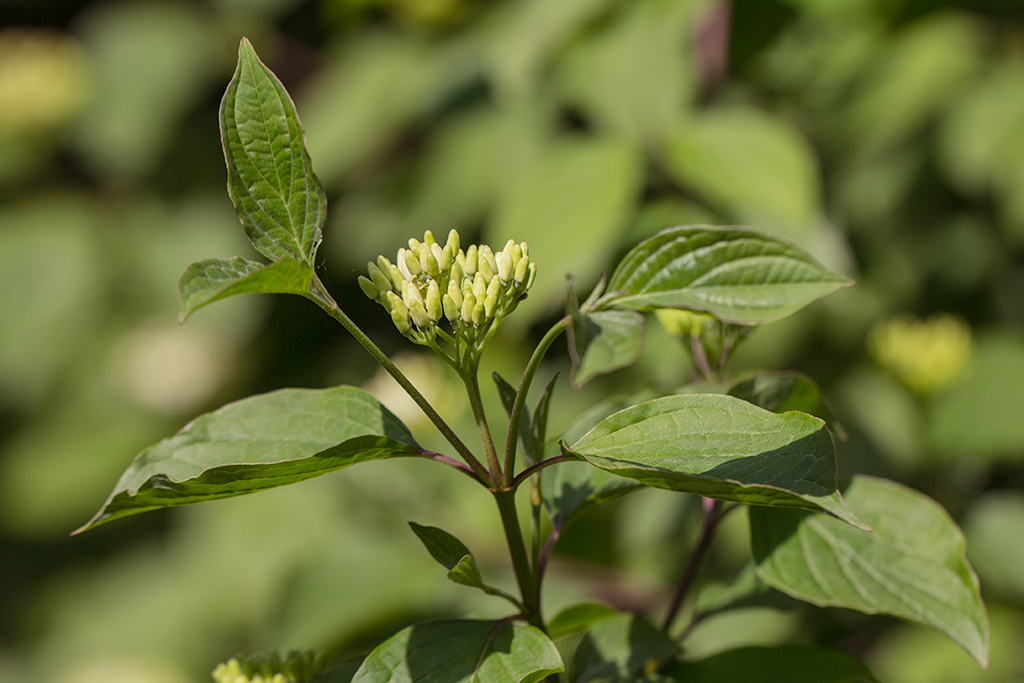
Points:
(621, 647)
(458, 651)
(539, 424)
(735, 274)
(214, 279)
(467, 573)
(603, 342)
(258, 443)
(507, 394)
(578, 618)
(721, 447)
(780, 664)
(270, 177)
(913, 566)
(441, 545)
(780, 392)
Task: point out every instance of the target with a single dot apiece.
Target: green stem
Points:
(469, 377)
(712, 516)
(320, 296)
(516, 416)
(525, 576)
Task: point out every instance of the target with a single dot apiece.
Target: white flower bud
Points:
(480, 286)
(468, 304)
(410, 294)
(433, 301)
(494, 288)
(429, 263)
(522, 268)
(418, 313)
(533, 274)
(504, 266)
(403, 265)
(526, 251)
(487, 264)
(414, 244)
(397, 278)
(490, 305)
(444, 257)
(470, 266)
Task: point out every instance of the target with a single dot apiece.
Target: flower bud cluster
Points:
(298, 666)
(472, 289)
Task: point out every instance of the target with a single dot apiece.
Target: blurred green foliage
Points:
(887, 138)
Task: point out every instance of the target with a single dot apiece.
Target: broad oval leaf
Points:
(214, 279)
(735, 274)
(914, 566)
(771, 664)
(258, 443)
(458, 651)
(720, 447)
(279, 200)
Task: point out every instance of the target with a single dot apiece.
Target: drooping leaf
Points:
(621, 647)
(214, 279)
(441, 545)
(913, 566)
(602, 342)
(578, 618)
(258, 443)
(735, 274)
(279, 200)
(462, 650)
(780, 664)
(720, 447)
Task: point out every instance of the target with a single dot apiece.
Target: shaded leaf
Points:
(441, 545)
(603, 342)
(461, 650)
(214, 279)
(539, 424)
(258, 443)
(467, 573)
(507, 394)
(737, 275)
(621, 647)
(720, 447)
(780, 664)
(270, 177)
(783, 391)
(913, 566)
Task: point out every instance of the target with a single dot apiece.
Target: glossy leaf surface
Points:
(737, 275)
(721, 447)
(460, 651)
(214, 279)
(258, 443)
(913, 566)
(270, 177)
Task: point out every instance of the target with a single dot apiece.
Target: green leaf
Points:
(913, 566)
(461, 650)
(781, 664)
(603, 342)
(578, 618)
(721, 447)
(467, 573)
(735, 274)
(270, 177)
(441, 545)
(539, 425)
(214, 279)
(507, 394)
(620, 647)
(780, 392)
(258, 443)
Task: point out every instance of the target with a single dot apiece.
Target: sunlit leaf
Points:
(215, 279)
(258, 443)
(735, 274)
(460, 650)
(270, 177)
(913, 566)
(721, 447)
(780, 664)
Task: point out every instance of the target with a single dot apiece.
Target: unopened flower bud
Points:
(468, 304)
(456, 274)
(369, 289)
(429, 263)
(381, 281)
(453, 240)
(418, 313)
(412, 262)
(410, 293)
(445, 257)
(532, 275)
(479, 314)
(395, 303)
(504, 261)
(522, 269)
(490, 305)
(455, 293)
(428, 238)
(397, 277)
(433, 301)
(414, 244)
(486, 263)
(401, 321)
(480, 286)
(451, 309)
(469, 267)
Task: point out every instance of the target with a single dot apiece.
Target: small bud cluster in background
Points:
(298, 666)
(473, 289)
(926, 355)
